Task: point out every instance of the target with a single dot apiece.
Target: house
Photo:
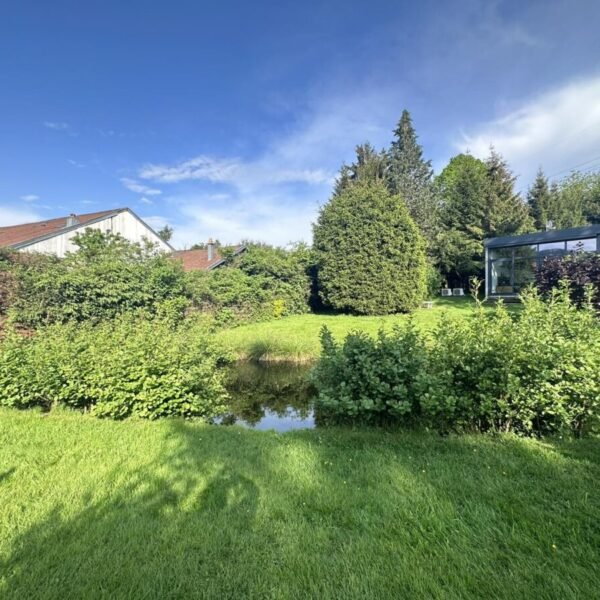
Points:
(204, 259)
(511, 261)
(55, 235)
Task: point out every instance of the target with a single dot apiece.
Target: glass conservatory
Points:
(510, 262)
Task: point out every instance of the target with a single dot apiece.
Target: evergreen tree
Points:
(538, 200)
(462, 190)
(575, 201)
(369, 164)
(370, 254)
(409, 175)
(506, 213)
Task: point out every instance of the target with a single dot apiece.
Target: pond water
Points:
(270, 396)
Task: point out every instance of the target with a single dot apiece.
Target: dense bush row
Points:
(109, 276)
(580, 270)
(539, 373)
(106, 277)
(262, 283)
(129, 366)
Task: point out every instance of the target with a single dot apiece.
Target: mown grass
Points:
(100, 509)
(296, 338)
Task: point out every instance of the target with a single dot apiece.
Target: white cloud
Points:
(271, 218)
(144, 200)
(139, 188)
(74, 163)
(275, 196)
(557, 130)
(235, 171)
(16, 216)
(56, 125)
(30, 198)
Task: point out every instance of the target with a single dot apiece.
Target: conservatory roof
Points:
(541, 237)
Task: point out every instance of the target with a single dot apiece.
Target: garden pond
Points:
(270, 395)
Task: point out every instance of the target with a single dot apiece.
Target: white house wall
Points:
(123, 223)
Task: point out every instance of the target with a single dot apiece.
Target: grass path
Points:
(98, 509)
(296, 338)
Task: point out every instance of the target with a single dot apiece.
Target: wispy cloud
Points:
(557, 130)
(75, 163)
(236, 171)
(144, 200)
(139, 188)
(275, 196)
(30, 198)
(57, 125)
(15, 216)
(61, 126)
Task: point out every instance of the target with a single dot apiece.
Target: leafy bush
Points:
(537, 374)
(580, 270)
(371, 379)
(370, 254)
(263, 283)
(121, 368)
(106, 277)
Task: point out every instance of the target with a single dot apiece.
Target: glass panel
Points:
(525, 251)
(552, 249)
(501, 253)
(587, 245)
(501, 271)
(524, 273)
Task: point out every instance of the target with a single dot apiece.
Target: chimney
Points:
(72, 220)
(210, 247)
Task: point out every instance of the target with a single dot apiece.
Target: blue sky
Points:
(230, 119)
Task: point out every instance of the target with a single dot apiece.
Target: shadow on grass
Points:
(6, 474)
(153, 532)
(338, 513)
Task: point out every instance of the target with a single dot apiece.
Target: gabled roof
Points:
(541, 237)
(28, 233)
(197, 260)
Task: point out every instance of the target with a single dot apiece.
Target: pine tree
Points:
(538, 200)
(506, 213)
(369, 165)
(409, 175)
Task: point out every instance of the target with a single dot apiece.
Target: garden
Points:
(442, 447)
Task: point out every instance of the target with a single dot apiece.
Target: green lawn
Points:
(297, 337)
(101, 509)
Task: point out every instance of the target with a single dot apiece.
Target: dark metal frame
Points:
(532, 239)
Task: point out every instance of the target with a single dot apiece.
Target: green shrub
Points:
(372, 379)
(262, 283)
(108, 276)
(370, 253)
(539, 373)
(127, 367)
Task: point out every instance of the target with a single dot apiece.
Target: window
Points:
(586, 245)
(552, 249)
(501, 271)
(501, 253)
(524, 273)
(525, 251)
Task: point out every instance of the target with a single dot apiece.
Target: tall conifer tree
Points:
(506, 213)
(409, 175)
(538, 200)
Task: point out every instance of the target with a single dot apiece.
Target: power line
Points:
(587, 162)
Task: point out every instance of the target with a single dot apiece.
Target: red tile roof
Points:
(28, 232)
(197, 260)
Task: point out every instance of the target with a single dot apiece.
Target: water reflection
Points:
(270, 396)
